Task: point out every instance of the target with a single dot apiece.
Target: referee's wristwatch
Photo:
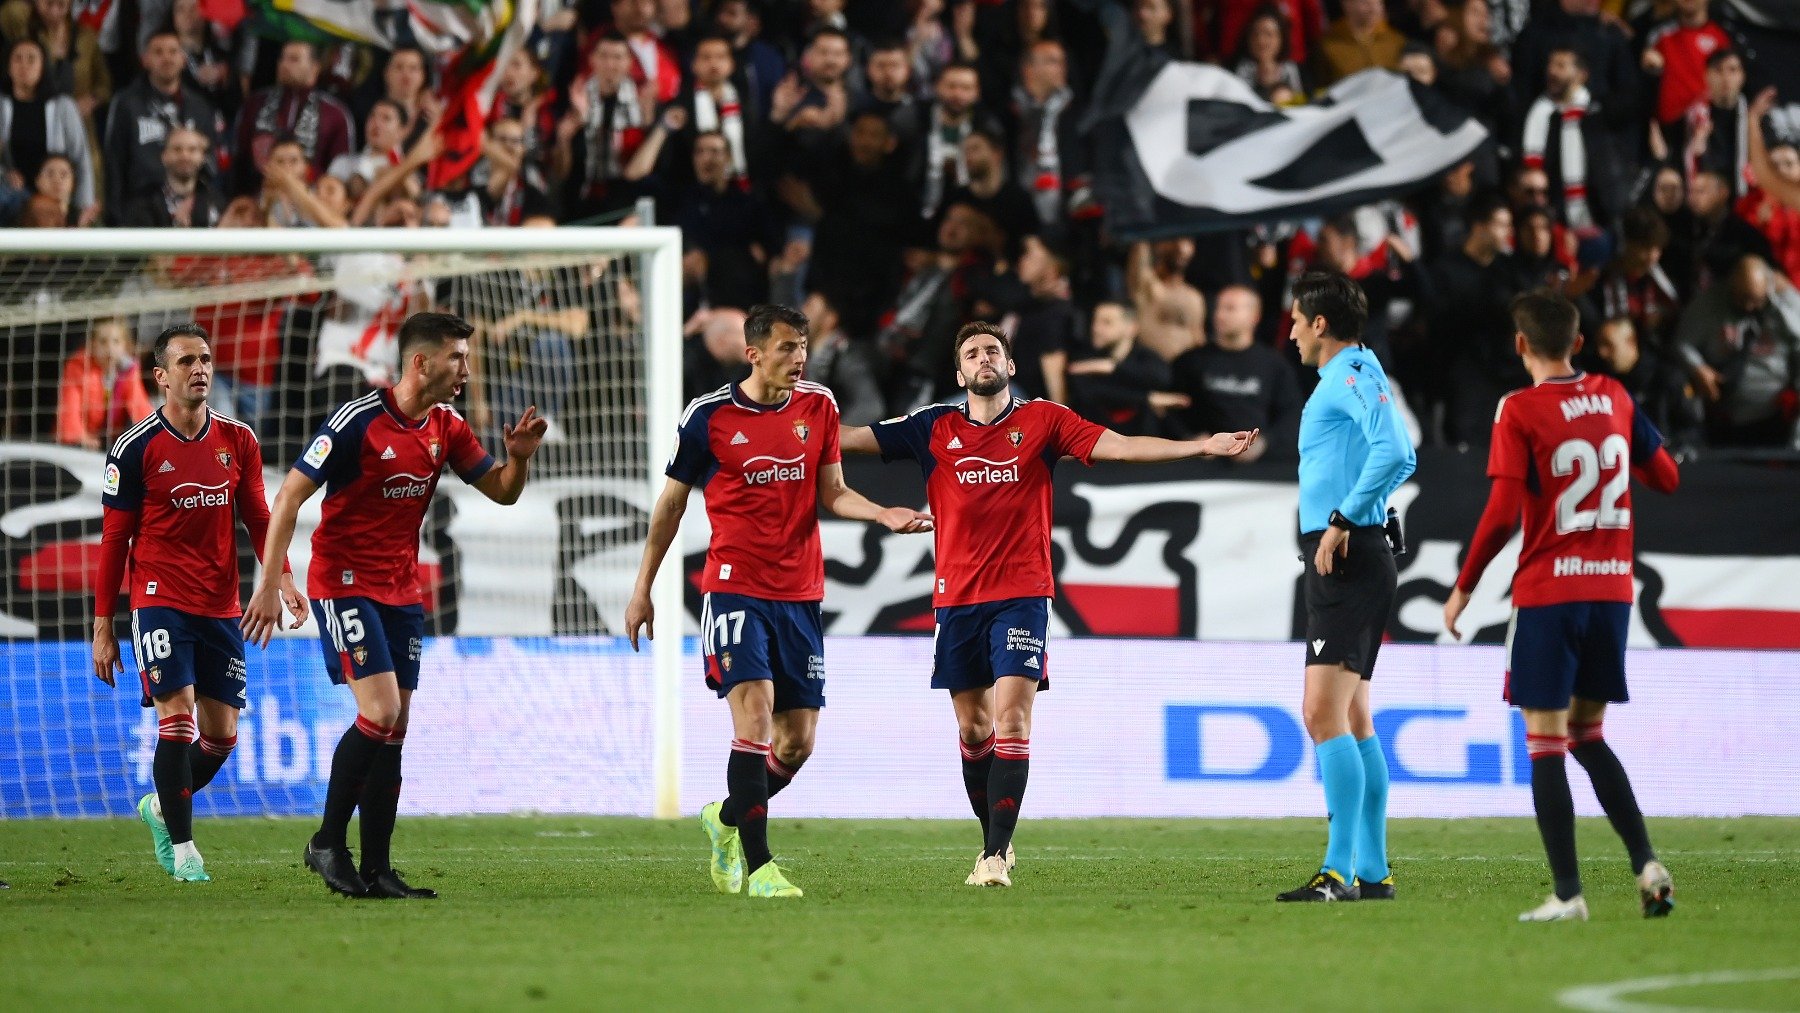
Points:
(1338, 520)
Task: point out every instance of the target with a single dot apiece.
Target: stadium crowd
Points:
(898, 169)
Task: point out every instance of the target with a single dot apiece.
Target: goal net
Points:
(524, 602)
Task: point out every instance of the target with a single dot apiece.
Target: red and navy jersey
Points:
(379, 469)
(988, 489)
(177, 502)
(759, 465)
(1572, 441)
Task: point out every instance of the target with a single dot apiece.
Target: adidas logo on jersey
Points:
(165, 469)
(954, 444)
(388, 454)
(740, 439)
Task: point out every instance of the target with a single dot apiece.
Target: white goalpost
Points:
(585, 323)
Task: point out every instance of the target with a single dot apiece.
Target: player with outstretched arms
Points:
(176, 485)
(379, 457)
(766, 453)
(1564, 452)
(988, 467)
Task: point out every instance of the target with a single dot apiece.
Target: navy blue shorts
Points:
(363, 637)
(976, 644)
(176, 649)
(745, 639)
(1555, 652)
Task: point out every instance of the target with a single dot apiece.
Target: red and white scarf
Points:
(607, 155)
(724, 114)
(1574, 150)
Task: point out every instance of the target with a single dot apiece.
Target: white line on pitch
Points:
(1611, 997)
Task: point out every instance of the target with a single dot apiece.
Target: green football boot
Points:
(151, 814)
(769, 882)
(727, 851)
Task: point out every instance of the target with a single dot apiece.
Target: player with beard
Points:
(987, 469)
(379, 457)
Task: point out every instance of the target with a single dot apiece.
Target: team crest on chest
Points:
(802, 430)
(436, 448)
(224, 456)
(1015, 436)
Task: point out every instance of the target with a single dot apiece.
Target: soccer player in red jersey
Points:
(379, 458)
(766, 452)
(988, 484)
(176, 485)
(1564, 453)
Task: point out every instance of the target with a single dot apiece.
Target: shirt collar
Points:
(1010, 406)
(745, 401)
(393, 409)
(205, 427)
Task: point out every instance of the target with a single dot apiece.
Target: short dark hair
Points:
(993, 137)
(168, 29)
(823, 32)
(1719, 56)
(955, 65)
(1644, 227)
(976, 329)
(887, 44)
(1718, 174)
(431, 329)
(1580, 60)
(1482, 208)
(312, 49)
(159, 350)
(400, 110)
(1549, 322)
(410, 47)
(1336, 298)
(718, 37)
(759, 323)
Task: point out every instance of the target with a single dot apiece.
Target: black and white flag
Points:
(1181, 148)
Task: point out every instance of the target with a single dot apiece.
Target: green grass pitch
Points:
(565, 913)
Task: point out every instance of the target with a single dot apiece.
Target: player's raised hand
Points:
(262, 614)
(1333, 543)
(639, 612)
(1229, 444)
(1453, 610)
(522, 439)
(106, 652)
(904, 521)
(295, 602)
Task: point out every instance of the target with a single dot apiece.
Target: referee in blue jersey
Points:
(1354, 452)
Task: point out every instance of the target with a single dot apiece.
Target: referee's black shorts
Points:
(1347, 610)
